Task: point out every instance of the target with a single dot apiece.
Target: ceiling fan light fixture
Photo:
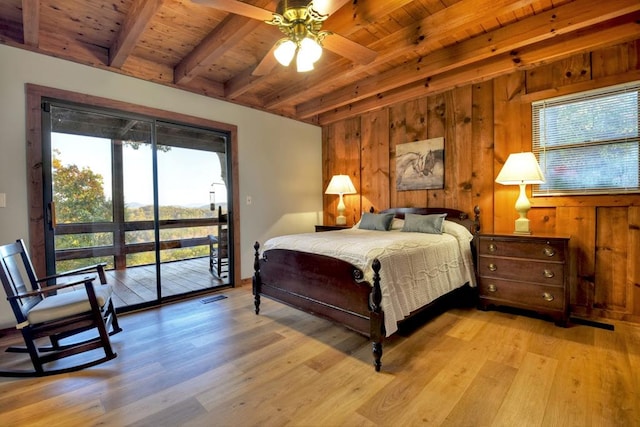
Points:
(310, 50)
(302, 25)
(285, 51)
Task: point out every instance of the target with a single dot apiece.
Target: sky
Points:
(184, 176)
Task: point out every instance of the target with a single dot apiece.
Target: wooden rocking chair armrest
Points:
(95, 267)
(48, 289)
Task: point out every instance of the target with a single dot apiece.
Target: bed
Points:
(367, 278)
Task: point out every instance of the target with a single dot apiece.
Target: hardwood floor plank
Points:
(619, 404)
(526, 400)
(482, 399)
(572, 390)
(446, 387)
(173, 415)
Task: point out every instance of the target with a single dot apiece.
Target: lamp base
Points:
(341, 220)
(522, 226)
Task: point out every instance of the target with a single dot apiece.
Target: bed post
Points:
(376, 316)
(476, 219)
(256, 277)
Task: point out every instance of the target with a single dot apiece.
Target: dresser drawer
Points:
(530, 294)
(546, 273)
(542, 249)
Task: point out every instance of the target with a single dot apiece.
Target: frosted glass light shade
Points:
(285, 52)
(310, 50)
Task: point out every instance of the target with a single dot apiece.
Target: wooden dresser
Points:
(526, 272)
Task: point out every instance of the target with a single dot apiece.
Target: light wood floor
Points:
(218, 364)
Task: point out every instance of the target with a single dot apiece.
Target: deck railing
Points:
(120, 249)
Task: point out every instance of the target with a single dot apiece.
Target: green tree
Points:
(79, 195)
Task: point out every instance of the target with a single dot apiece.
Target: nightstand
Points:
(525, 271)
(331, 227)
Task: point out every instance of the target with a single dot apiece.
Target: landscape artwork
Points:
(420, 165)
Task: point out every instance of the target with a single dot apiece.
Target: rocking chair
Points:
(43, 312)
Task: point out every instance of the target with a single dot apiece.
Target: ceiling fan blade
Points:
(327, 7)
(238, 8)
(349, 49)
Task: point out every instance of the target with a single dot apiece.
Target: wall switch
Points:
(3, 200)
(249, 200)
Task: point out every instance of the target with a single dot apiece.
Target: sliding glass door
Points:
(136, 193)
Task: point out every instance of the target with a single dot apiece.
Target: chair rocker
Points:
(43, 312)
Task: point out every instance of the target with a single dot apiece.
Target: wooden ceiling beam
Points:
(562, 20)
(349, 19)
(140, 14)
(620, 30)
(243, 82)
(31, 22)
(224, 37)
(419, 38)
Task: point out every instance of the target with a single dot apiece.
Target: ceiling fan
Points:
(301, 22)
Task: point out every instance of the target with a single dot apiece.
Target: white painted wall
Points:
(280, 160)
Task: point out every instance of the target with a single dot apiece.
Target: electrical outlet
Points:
(249, 200)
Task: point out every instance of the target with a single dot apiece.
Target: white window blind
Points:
(588, 143)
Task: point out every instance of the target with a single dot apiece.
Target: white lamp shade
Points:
(285, 51)
(340, 184)
(520, 168)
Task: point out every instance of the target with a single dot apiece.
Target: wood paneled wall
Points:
(482, 124)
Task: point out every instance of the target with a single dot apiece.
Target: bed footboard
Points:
(323, 286)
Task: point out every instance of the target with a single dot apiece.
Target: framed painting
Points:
(420, 165)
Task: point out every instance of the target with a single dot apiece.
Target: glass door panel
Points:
(84, 195)
(189, 163)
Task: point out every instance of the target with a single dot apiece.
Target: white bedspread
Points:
(416, 268)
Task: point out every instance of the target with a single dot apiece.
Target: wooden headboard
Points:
(455, 215)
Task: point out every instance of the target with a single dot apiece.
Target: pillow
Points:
(380, 222)
(432, 224)
(397, 224)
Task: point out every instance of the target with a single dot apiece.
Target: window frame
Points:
(540, 148)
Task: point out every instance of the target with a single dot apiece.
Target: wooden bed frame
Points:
(330, 288)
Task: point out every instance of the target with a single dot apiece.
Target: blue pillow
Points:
(380, 222)
(432, 224)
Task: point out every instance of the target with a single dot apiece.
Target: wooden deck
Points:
(137, 285)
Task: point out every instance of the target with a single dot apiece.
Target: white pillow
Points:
(397, 224)
(460, 232)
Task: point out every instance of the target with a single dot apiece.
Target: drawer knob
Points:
(492, 247)
(548, 274)
(492, 267)
(492, 288)
(547, 296)
(549, 251)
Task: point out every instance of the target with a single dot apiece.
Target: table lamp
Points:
(340, 184)
(521, 169)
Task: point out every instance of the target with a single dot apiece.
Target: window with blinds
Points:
(588, 143)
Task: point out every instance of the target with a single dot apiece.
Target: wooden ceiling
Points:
(421, 46)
